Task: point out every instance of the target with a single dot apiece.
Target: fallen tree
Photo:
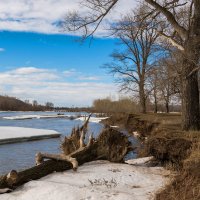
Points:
(110, 145)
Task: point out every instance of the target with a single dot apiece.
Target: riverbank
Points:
(175, 149)
(97, 180)
(161, 135)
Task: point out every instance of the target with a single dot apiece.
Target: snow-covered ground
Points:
(93, 119)
(8, 133)
(98, 180)
(21, 117)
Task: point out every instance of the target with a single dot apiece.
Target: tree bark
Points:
(190, 87)
(190, 98)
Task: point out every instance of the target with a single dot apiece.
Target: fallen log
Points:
(111, 145)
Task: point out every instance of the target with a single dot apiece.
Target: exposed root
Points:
(71, 145)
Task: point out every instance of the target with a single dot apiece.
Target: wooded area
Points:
(162, 50)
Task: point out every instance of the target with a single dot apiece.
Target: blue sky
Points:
(38, 62)
(61, 52)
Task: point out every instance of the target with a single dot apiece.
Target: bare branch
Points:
(170, 17)
(74, 21)
(171, 40)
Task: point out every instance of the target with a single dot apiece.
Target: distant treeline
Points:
(74, 109)
(14, 104)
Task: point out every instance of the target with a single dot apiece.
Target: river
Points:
(19, 156)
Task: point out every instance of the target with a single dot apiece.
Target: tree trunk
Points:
(142, 98)
(190, 93)
(167, 106)
(190, 99)
(155, 102)
(155, 107)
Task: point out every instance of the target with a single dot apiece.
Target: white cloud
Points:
(42, 15)
(49, 85)
(70, 72)
(2, 49)
(28, 70)
(89, 78)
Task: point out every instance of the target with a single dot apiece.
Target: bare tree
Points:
(183, 34)
(132, 65)
(165, 79)
(165, 85)
(49, 105)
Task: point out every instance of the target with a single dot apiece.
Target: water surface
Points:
(19, 156)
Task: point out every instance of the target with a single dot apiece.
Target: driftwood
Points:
(110, 145)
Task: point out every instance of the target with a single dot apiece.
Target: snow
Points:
(83, 118)
(139, 161)
(8, 132)
(93, 119)
(136, 134)
(98, 180)
(21, 117)
(114, 126)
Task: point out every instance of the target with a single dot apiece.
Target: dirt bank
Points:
(173, 148)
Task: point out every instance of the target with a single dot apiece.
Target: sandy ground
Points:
(98, 180)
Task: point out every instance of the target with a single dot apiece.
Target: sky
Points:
(38, 61)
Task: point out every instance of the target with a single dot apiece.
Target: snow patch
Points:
(95, 181)
(114, 126)
(139, 161)
(136, 134)
(8, 132)
(21, 117)
(92, 119)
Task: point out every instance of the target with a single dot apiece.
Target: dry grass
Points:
(184, 187)
(103, 182)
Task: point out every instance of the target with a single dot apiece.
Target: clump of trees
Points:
(172, 22)
(49, 105)
(108, 105)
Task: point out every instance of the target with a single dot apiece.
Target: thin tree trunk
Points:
(155, 103)
(142, 98)
(167, 106)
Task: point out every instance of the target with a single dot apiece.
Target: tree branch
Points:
(170, 17)
(171, 40)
